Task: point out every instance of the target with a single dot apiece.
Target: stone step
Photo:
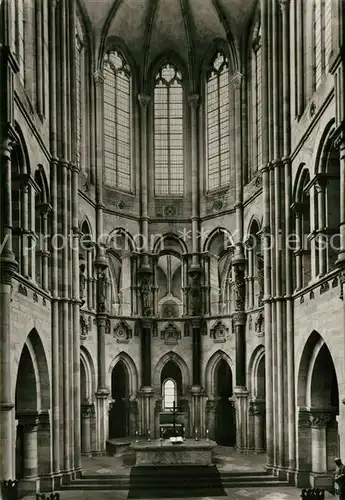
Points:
(161, 483)
(150, 479)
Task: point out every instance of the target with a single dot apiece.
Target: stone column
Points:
(39, 59)
(102, 393)
(55, 363)
(29, 421)
(133, 417)
(44, 452)
(87, 413)
(304, 458)
(194, 103)
(144, 102)
(8, 266)
(340, 142)
(320, 188)
(258, 410)
(319, 420)
(211, 417)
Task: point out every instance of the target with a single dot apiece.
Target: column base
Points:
(302, 479)
(322, 480)
(50, 483)
(28, 487)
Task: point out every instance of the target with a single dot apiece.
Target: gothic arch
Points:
(42, 182)
(116, 44)
(215, 233)
(313, 348)
(181, 247)
(211, 369)
(253, 370)
(131, 370)
(169, 57)
(34, 352)
(125, 234)
(89, 370)
(324, 143)
(253, 226)
(302, 174)
(85, 224)
(171, 356)
(229, 50)
(21, 152)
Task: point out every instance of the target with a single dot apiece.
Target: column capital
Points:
(284, 4)
(236, 80)
(193, 100)
(144, 100)
(98, 77)
(321, 417)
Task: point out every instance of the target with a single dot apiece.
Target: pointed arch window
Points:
(322, 38)
(257, 98)
(80, 61)
(168, 132)
(169, 394)
(19, 35)
(217, 123)
(117, 121)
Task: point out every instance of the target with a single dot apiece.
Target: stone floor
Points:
(227, 459)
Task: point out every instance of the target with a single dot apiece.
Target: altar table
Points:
(163, 452)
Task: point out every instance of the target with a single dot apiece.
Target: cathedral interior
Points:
(172, 230)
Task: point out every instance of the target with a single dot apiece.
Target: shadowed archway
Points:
(225, 422)
(118, 414)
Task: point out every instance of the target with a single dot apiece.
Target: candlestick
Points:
(136, 436)
(196, 434)
(148, 435)
(206, 434)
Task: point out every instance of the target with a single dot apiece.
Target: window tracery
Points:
(217, 122)
(168, 131)
(117, 121)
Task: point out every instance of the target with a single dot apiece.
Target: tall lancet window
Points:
(322, 38)
(20, 35)
(168, 131)
(79, 64)
(257, 98)
(117, 121)
(217, 119)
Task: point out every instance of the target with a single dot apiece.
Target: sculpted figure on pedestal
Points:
(239, 286)
(146, 296)
(82, 282)
(102, 291)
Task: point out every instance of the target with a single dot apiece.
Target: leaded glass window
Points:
(79, 96)
(20, 35)
(117, 121)
(217, 118)
(322, 26)
(258, 100)
(169, 394)
(168, 132)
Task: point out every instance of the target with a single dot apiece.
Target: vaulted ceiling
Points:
(149, 28)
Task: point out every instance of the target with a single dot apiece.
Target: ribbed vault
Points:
(150, 28)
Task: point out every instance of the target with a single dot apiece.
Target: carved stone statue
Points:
(146, 296)
(82, 282)
(239, 287)
(102, 291)
(195, 295)
(260, 277)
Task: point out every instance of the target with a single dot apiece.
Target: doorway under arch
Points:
(225, 421)
(318, 408)
(32, 404)
(119, 409)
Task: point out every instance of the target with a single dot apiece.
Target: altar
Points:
(166, 453)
